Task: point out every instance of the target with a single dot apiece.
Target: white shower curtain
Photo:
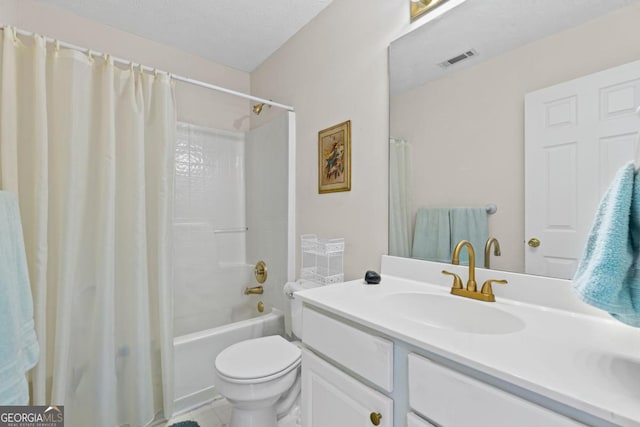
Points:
(400, 200)
(89, 149)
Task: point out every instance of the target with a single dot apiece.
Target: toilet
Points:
(261, 377)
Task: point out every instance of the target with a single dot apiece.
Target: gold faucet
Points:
(256, 290)
(486, 293)
(487, 250)
(471, 283)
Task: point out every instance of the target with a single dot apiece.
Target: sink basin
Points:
(454, 313)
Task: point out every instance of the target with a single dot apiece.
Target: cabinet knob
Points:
(533, 242)
(375, 418)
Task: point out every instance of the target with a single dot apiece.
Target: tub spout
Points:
(256, 290)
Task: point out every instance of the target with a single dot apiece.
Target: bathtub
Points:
(195, 353)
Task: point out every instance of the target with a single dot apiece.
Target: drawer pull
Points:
(375, 418)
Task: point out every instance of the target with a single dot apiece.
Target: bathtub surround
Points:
(209, 228)
(89, 148)
(232, 208)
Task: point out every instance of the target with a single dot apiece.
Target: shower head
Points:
(257, 109)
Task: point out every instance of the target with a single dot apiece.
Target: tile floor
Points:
(214, 414)
(218, 414)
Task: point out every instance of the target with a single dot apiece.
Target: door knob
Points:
(375, 418)
(533, 242)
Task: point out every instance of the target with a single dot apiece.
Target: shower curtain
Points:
(89, 149)
(400, 200)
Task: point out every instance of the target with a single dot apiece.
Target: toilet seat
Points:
(258, 360)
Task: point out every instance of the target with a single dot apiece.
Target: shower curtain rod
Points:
(150, 69)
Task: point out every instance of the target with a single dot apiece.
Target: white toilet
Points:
(261, 377)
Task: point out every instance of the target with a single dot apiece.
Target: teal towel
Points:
(607, 275)
(470, 224)
(431, 238)
(19, 349)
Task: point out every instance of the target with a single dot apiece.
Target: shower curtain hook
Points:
(14, 34)
(56, 46)
(155, 73)
(106, 58)
(90, 53)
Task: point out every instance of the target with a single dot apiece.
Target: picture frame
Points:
(422, 7)
(334, 158)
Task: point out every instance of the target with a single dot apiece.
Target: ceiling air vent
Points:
(452, 61)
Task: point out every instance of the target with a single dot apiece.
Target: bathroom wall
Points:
(449, 116)
(335, 69)
(195, 105)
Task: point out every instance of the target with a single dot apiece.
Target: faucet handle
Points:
(457, 281)
(486, 286)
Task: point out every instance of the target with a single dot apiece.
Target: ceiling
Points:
(491, 27)
(235, 33)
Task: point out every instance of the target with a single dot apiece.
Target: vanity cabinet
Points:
(348, 381)
(449, 398)
(331, 395)
(363, 353)
(332, 398)
(414, 421)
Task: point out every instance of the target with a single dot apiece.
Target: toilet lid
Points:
(257, 358)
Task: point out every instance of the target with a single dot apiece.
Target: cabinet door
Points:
(451, 399)
(365, 354)
(415, 421)
(331, 398)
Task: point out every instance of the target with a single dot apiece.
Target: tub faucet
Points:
(256, 290)
(487, 250)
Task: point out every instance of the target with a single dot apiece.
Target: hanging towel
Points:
(431, 239)
(18, 345)
(607, 275)
(470, 224)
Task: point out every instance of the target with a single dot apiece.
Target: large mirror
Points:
(457, 105)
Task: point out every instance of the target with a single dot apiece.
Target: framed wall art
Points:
(334, 158)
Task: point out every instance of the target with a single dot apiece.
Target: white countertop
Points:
(588, 363)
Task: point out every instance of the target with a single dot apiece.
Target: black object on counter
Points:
(372, 278)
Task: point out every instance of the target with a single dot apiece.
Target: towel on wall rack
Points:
(432, 241)
(469, 224)
(438, 230)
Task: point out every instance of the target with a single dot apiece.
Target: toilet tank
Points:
(295, 305)
(296, 317)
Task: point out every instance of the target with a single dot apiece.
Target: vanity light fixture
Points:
(420, 7)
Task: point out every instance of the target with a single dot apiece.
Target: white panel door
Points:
(577, 135)
(331, 398)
